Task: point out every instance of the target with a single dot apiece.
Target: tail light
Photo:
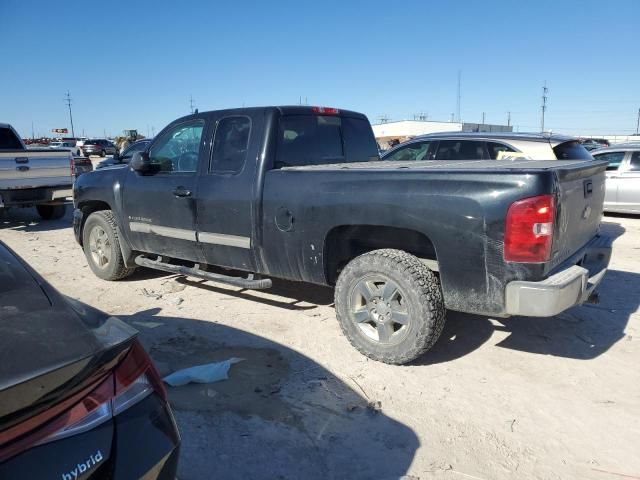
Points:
(325, 110)
(528, 233)
(134, 379)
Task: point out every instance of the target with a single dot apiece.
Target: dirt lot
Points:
(495, 399)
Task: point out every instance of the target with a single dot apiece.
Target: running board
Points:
(248, 283)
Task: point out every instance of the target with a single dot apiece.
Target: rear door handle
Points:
(181, 192)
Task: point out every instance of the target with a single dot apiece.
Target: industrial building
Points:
(406, 129)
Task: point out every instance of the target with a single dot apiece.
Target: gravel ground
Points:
(495, 399)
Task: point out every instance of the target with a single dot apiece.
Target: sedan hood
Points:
(50, 347)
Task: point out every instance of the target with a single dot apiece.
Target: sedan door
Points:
(629, 185)
(615, 159)
(160, 206)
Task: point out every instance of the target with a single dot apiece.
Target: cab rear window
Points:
(323, 140)
(572, 150)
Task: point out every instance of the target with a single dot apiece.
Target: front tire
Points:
(103, 153)
(390, 306)
(101, 246)
(51, 212)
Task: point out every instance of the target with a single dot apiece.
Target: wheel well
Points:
(88, 208)
(346, 242)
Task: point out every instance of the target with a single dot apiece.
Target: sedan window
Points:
(413, 151)
(460, 150)
(634, 165)
(495, 149)
(614, 159)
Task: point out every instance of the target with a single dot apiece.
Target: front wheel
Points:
(51, 212)
(390, 306)
(103, 153)
(102, 246)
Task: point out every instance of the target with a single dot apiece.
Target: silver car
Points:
(623, 177)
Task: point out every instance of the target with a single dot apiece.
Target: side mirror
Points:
(140, 162)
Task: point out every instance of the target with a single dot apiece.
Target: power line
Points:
(545, 90)
(68, 101)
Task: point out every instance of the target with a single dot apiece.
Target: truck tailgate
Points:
(34, 168)
(580, 201)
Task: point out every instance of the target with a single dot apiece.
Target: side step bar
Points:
(248, 283)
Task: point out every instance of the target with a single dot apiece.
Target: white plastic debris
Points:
(207, 373)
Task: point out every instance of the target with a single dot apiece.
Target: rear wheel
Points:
(102, 246)
(390, 306)
(51, 212)
(103, 153)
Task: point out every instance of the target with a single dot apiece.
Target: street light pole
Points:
(68, 100)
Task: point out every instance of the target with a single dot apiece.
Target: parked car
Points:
(79, 396)
(100, 147)
(594, 143)
(488, 146)
(76, 151)
(34, 177)
(299, 193)
(623, 177)
(124, 157)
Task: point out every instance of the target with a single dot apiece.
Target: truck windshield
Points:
(323, 140)
(8, 140)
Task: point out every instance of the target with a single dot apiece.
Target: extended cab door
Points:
(227, 189)
(159, 207)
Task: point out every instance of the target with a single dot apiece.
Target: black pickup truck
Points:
(300, 193)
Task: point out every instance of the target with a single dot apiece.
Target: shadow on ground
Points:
(279, 415)
(28, 220)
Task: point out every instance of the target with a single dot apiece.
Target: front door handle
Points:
(181, 192)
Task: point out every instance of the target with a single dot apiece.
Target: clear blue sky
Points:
(134, 64)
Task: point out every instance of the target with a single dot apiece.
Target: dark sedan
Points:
(79, 396)
(124, 157)
(100, 147)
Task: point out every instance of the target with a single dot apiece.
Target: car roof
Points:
(282, 109)
(531, 137)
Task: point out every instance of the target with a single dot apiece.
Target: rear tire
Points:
(103, 153)
(390, 306)
(101, 246)
(51, 212)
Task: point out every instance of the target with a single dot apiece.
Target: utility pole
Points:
(68, 102)
(508, 119)
(638, 123)
(458, 97)
(543, 108)
(452, 117)
(33, 135)
(191, 103)
(482, 118)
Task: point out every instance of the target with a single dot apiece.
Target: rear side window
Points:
(460, 150)
(614, 159)
(496, 150)
(323, 140)
(634, 165)
(8, 140)
(230, 145)
(413, 151)
(572, 150)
